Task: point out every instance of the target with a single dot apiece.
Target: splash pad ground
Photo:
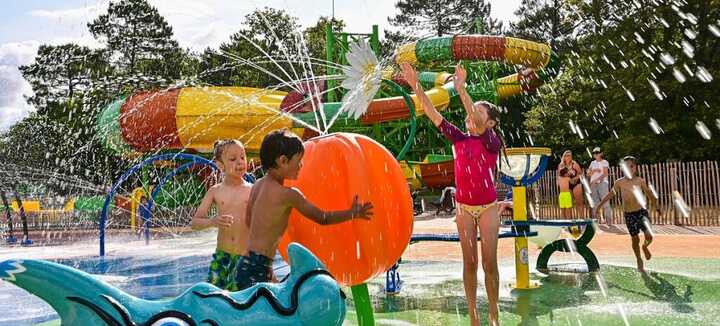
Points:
(682, 288)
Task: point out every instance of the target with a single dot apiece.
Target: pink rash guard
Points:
(475, 163)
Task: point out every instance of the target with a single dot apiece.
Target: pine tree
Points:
(60, 74)
(445, 17)
(548, 21)
(140, 43)
(247, 58)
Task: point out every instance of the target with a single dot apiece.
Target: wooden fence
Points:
(698, 183)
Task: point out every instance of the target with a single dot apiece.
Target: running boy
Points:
(270, 204)
(230, 197)
(634, 191)
(476, 154)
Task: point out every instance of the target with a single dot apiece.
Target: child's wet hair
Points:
(564, 171)
(278, 143)
(630, 158)
(493, 112)
(221, 144)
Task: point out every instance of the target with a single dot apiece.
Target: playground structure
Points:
(192, 118)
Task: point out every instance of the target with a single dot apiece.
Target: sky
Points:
(197, 24)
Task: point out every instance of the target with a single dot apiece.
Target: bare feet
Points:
(640, 265)
(646, 251)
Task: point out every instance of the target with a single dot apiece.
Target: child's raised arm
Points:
(298, 201)
(459, 82)
(411, 77)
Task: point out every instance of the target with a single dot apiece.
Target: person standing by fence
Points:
(599, 185)
(574, 173)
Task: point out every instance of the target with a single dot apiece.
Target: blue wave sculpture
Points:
(309, 296)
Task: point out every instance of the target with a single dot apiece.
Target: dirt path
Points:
(610, 241)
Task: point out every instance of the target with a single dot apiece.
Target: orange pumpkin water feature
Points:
(335, 168)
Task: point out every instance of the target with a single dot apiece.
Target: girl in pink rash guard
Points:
(475, 162)
(476, 154)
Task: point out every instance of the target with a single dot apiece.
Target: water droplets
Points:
(678, 75)
(691, 18)
(688, 70)
(601, 285)
(703, 130)
(570, 244)
(659, 94)
(688, 49)
(576, 129)
(648, 227)
(629, 94)
(623, 314)
(652, 189)
(714, 30)
(690, 34)
(639, 38)
(704, 75)
(667, 59)
(626, 170)
(664, 22)
(680, 204)
(655, 126)
(639, 196)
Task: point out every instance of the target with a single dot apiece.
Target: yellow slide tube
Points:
(205, 115)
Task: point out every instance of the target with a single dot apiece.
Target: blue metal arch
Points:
(147, 210)
(194, 159)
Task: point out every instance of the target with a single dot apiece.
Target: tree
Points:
(635, 68)
(258, 54)
(550, 21)
(69, 89)
(480, 21)
(444, 17)
(61, 74)
(140, 44)
(316, 38)
(58, 146)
